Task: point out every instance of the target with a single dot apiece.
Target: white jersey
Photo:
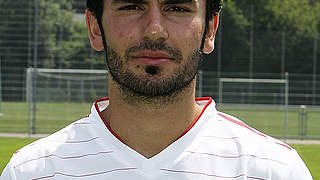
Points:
(217, 146)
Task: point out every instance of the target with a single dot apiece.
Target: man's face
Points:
(153, 45)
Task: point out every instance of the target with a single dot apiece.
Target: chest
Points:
(193, 163)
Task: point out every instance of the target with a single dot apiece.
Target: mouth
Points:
(152, 58)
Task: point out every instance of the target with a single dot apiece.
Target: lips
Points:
(154, 58)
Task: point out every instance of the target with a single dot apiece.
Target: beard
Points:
(151, 86)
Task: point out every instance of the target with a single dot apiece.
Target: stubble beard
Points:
(152, 89)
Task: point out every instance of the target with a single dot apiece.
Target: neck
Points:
(140, 124)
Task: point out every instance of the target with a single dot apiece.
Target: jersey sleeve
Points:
(298, 169)
(8, 173)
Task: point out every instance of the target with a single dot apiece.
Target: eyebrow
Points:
(129, 1)
(178, 2)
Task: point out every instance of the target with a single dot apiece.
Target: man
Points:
(151, 126)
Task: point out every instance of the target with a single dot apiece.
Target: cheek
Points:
(188, 37)
(197, 31)
(119, 33)
(116, 30)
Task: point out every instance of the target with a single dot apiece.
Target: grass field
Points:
(10, 145)
(51, 117)
(270, 120)
(309, 153)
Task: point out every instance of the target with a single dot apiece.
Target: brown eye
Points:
(178, 9)
(130, 8)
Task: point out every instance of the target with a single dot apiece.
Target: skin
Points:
(125, 24)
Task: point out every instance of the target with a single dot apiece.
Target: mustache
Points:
(155, 46)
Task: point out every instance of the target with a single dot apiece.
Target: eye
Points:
(130, 8)
(178, 9)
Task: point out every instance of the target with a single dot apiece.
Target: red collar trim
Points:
(209, 99)
(103, 120)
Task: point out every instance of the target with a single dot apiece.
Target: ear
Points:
(210, 36)
(94, 31)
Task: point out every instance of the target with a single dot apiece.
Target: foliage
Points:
(15, 51)
(299, 16)
(64, 36)
(62, 40)
(233, 33)
(280, 30)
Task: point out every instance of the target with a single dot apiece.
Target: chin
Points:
(152, 70)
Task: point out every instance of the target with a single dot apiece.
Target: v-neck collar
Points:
(170, 153)
(103, 103)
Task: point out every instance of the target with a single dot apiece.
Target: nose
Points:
(154, 26)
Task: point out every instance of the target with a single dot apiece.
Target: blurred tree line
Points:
(49, 34)
(40, 33)
(283, 30)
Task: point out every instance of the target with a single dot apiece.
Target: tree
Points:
(280, 29)
(300, 21)
(66, 43)
(14, 46)
(62, 40)
(233, 28)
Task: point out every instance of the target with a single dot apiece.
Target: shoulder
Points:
(43, 154)
(261, 154)
(76, 133)
(251, 138)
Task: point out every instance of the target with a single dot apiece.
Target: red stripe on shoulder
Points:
(246, 126)
(284, 145)
(240, 124)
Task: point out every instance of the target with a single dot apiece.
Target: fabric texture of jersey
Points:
(216, 147)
